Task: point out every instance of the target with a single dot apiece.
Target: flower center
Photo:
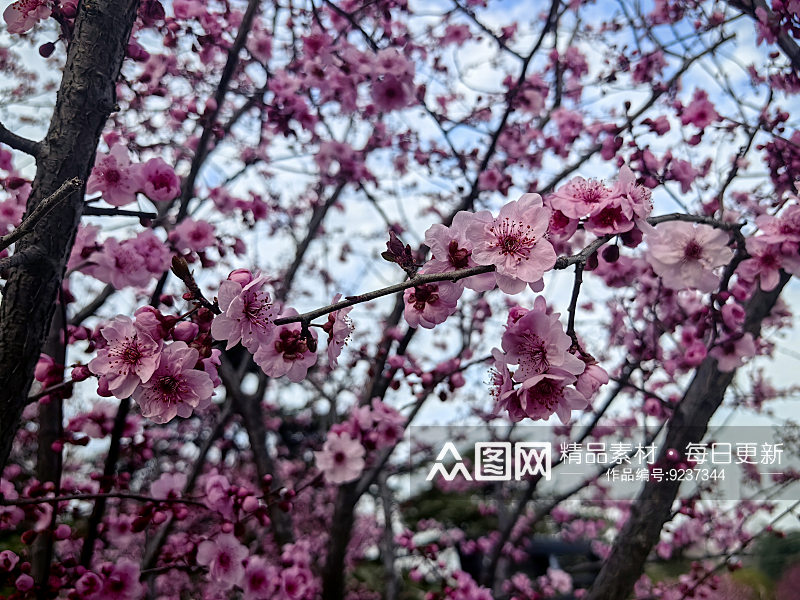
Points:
(692, 251)
(591, 191)
(547, 393)
(131, 354)
(513, 238)
(459, 257)
(534, 354)
(168, 386)
(256, 309)
(161, 181)
(424, 294)
(291, 344)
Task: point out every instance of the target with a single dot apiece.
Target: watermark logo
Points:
(458, 467)
(497, 461)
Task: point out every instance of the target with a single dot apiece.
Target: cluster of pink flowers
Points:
(132, 262)
(776, 247)
(607, 210)
(342, 458)
(551, 378)
(248, 315)
(112, 581)
(165, 379)
(515, 242)
(119, 181)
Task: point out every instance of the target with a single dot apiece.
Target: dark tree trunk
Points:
(85, 99)
(653, 506)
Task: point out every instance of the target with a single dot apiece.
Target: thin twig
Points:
(45, 206)
(561, 263)
(187, 193)
(99, 211)
(573, 304)
(119, 495)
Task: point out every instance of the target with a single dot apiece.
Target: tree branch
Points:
(85, 99)
(561, 263)
(42, 209)
(187, 191)
(688, 424)
(785, 41)
(100, 211)
(18, 142)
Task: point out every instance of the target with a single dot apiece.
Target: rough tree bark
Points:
(85, 99)
(653, 506)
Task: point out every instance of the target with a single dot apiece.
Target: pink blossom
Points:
(188, 9)
(223, 556)
(176, 387)
(628, 204)
(733, 353)
(211, 365)
(388, 424)
(695, 353)
(556, 582)
(24, 582)
(89, 584)
(169, 485)
(493, 179)
(391, 93)
(635, 199)
(297, 583)
(261, 580)
(287, 352)
(700, 111)
(683, 172)
(341, 459)
(120, 264)
(11, 212)
(155, 252)
(733, 315)
(218, 495)
(455, 34)
(121, 581)
(8, 560)
(429, 304)
(500, 377)
(158, 180)
(85, 245)
(338, 327)
(611, 218)
(542, 395)
(592, 378)
(452, 251)
(537, 342)
(193, 235)
(22, 15)
(9, 515)
(247, 314)
(767, 258)
(580, 197)
(514, 242)
(684, 255)
(114, 177)
(783, 228)
(260, 46)
(130, 357)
